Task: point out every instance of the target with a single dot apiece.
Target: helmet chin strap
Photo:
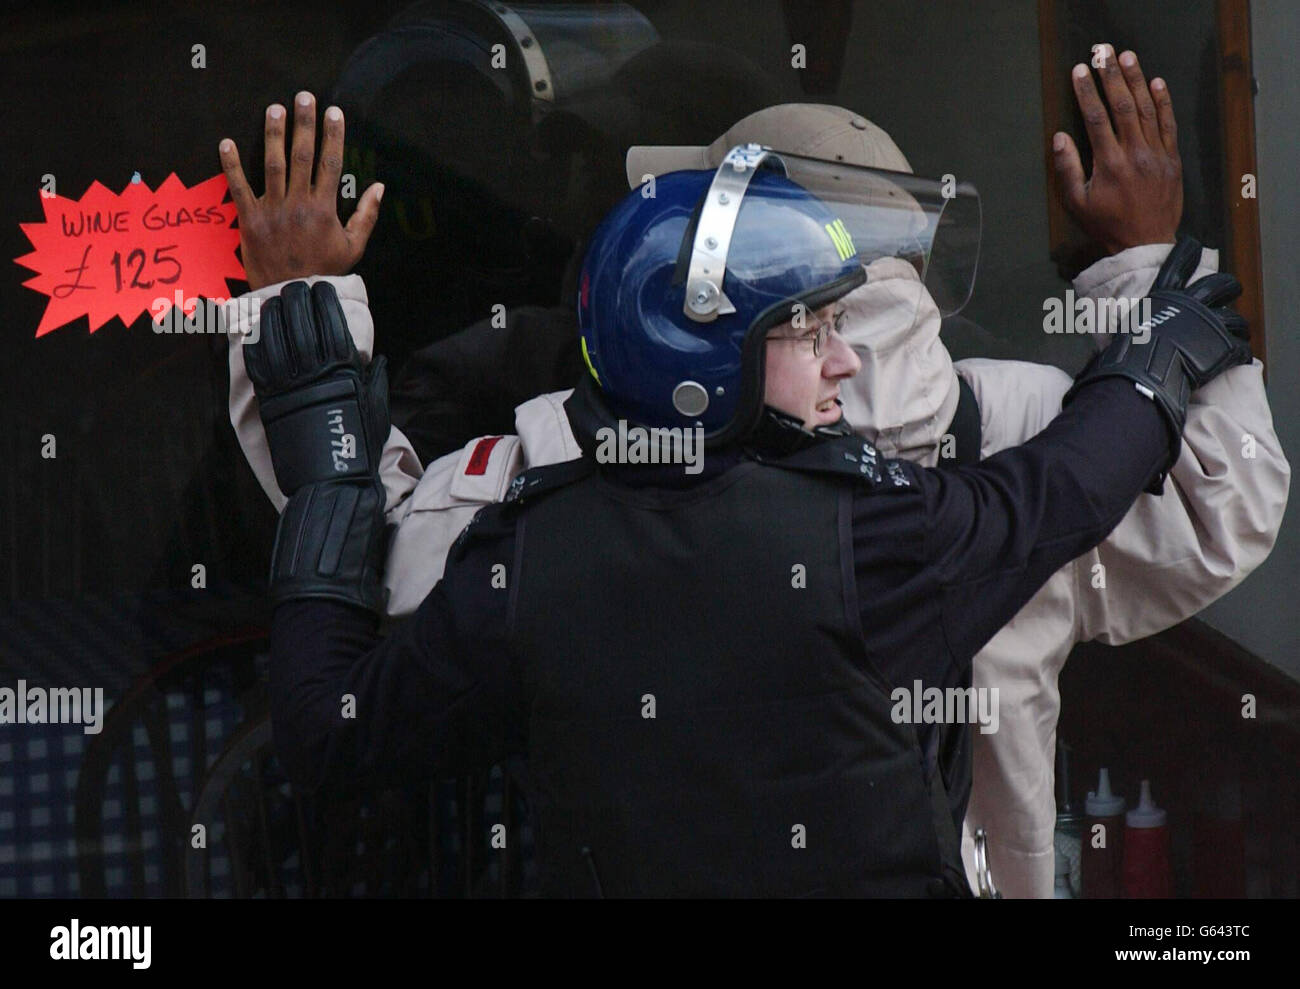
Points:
(776, 434)
(780, 432)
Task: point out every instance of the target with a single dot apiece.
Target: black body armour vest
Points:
(704, 720)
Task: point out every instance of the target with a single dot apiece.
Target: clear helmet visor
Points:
(931, 224)
(571, 51)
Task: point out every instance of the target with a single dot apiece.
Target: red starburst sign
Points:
(111, 254)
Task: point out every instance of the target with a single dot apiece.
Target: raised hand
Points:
(1135, 193)
(293, 230)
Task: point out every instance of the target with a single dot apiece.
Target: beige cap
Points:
(816, 130)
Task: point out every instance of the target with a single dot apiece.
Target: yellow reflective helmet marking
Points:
(840, 237)
(586, 358)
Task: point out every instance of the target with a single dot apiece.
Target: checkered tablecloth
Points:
(107, 642)
(39, 769)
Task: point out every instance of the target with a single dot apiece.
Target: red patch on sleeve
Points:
(478, 460)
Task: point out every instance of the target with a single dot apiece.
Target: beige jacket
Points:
(1215, 522)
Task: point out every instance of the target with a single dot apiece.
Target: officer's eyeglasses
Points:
(819, 334)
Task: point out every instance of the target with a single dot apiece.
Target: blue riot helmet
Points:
(683, 279)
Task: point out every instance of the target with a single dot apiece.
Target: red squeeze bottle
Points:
(1101, 869)
(1147, 874)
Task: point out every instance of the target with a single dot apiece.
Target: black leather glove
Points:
(1194, 338)
(326, 419)
(331, 543)
(325, 412)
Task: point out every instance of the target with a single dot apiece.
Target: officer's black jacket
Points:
(940, 566)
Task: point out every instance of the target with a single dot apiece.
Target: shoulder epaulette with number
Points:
(537, 481)
(526, 487)
(850, 456)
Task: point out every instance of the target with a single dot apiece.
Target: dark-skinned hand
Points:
(293, 230)
(1135, 193)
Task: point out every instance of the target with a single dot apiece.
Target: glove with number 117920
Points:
(326, 419)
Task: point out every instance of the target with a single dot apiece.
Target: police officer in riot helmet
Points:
(690, 659)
